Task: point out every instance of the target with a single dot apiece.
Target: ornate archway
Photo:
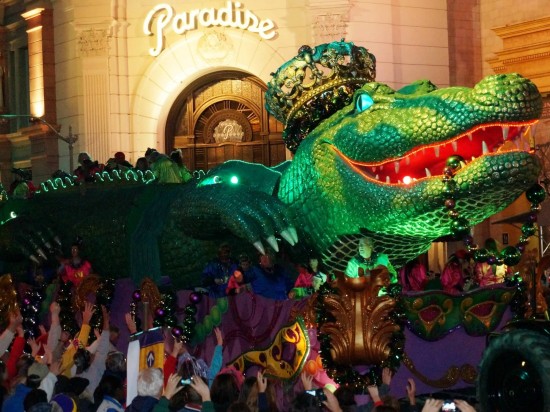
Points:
(221, 116)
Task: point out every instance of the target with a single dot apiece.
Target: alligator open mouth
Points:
(429, 160)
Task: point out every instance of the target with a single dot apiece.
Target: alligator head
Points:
(376, 166)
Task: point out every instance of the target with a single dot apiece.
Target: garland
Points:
(460, 227)
(510, 255)
(347, 375)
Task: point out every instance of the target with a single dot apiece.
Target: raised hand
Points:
(130, 323)
(307, 381)
(386, 376)
(87, 313)
(219, 336)
(201, 387)
(171, 387)
(432, 405)
(262, 382)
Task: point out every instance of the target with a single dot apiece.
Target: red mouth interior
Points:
(429, 160)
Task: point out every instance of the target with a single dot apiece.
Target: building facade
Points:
(121, 75)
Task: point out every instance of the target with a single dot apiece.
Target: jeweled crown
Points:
(315, 84)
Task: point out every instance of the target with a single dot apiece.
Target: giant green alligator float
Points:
(374, 167)
(403, 167)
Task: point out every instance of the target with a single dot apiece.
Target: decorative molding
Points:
(526, 50)
(93, 42)
(214, 47)
(330, 27)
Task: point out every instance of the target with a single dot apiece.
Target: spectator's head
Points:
(177, 156)
(384, 408)
(36, 400)
(345, 396)
(491, 245)
(224, 252)
(114, 333)
(304, 402)
(267, 261)
(249, 383)
(83, 156)
(111, 386)
(142, 164)
(36, 372)
(239, 407)
(150, 382)
(224, 391)
(116, 363)
(186, 395)
(120, 157)
(82, 360)
(244, 262)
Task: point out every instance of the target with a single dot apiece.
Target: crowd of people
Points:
(57, 372)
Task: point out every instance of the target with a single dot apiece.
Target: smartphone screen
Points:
(448, 406)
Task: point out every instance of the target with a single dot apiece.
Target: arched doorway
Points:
(221, 116)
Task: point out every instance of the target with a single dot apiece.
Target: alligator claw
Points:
(273, 243)
(294, 234)
(288, 237)
(259, 247)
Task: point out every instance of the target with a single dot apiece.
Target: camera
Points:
(448, 406)
(184, 381)
(319, 395)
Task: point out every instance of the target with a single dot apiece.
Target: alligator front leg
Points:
(258, 217)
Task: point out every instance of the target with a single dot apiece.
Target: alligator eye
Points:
(363, 102)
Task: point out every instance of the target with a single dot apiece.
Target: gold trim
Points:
(465, 372)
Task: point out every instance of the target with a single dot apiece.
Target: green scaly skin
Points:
(330, 198)
(134, 229)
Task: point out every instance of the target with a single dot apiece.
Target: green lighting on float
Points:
(234, 180)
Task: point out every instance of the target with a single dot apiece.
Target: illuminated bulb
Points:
(234, 180)
(407, 180)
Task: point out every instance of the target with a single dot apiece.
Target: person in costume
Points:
(164, 168)
(75, 269)
(309, 279)
(452, 276)
(489, 272)
(412, 276)
(368, 259)
(22, 186)
(177, 158)
(269, 279)
(216, 274)
(87, 169)
(236, 283)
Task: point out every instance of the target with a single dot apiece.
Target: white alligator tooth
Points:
(259, 246)
(388, 179)
(273, 243)
(377, 177)
(396, 165)
(484, 147)
(428, 173)
(286, 236)
(374, 169)
(473, 158)
(505, 130)
(470, 137)
(455, 146)
(462, 164)
(436, 149)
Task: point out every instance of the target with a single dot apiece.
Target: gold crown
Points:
(315, 84)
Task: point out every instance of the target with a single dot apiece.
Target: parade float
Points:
(402, 167)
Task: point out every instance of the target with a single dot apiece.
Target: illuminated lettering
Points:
(163, 16)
